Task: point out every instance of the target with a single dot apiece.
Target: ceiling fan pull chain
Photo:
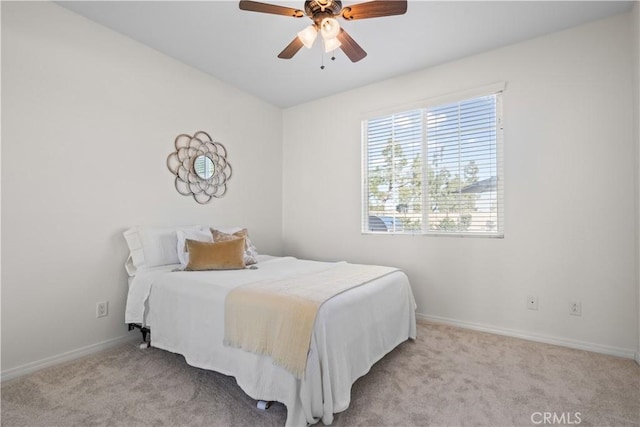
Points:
(322, 60)
(333, 58)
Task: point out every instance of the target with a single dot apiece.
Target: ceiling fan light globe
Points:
(308, 36)
(331, 44)
(330, 28)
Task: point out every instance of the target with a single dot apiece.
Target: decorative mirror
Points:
(203, 166)
(200, 166)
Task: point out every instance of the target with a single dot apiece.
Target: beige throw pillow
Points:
(227, 255)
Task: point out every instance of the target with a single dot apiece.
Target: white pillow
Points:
(203, 235)
(153, 246)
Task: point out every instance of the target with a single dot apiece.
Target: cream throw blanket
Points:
(276, 317)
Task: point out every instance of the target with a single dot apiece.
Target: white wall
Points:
(89, 118)
(569, 167)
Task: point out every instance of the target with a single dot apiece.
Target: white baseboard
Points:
(564, 342)
(19, 371)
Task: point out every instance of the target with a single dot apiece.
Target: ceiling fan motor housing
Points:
(320, 9)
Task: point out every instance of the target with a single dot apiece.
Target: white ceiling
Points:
(240, 47)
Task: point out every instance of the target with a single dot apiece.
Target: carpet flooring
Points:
(448, 376)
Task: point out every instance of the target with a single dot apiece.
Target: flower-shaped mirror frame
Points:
(200, 166)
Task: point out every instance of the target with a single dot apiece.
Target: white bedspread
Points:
(352, 331)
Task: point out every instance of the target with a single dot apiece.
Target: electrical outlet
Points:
(575, 308)
(102, 309)
(532, 302)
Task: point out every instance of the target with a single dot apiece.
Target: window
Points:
(435, 169)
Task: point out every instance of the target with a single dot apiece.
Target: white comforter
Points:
(352, 331)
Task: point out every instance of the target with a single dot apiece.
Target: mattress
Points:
(353, 330)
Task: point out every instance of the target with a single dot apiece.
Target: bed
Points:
(353, 330)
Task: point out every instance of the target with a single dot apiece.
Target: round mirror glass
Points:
(203, 167)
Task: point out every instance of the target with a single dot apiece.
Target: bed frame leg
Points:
(263, 405)
(145, 332)
(145, 343)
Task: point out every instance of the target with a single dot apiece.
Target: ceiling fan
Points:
(323, 13)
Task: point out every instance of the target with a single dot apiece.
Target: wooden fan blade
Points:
(350, 47)
(291, 49)
(374, 9)
(254, 6)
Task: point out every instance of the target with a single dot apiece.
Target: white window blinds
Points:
(435, 170)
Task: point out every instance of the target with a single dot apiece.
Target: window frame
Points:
(488, 90)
